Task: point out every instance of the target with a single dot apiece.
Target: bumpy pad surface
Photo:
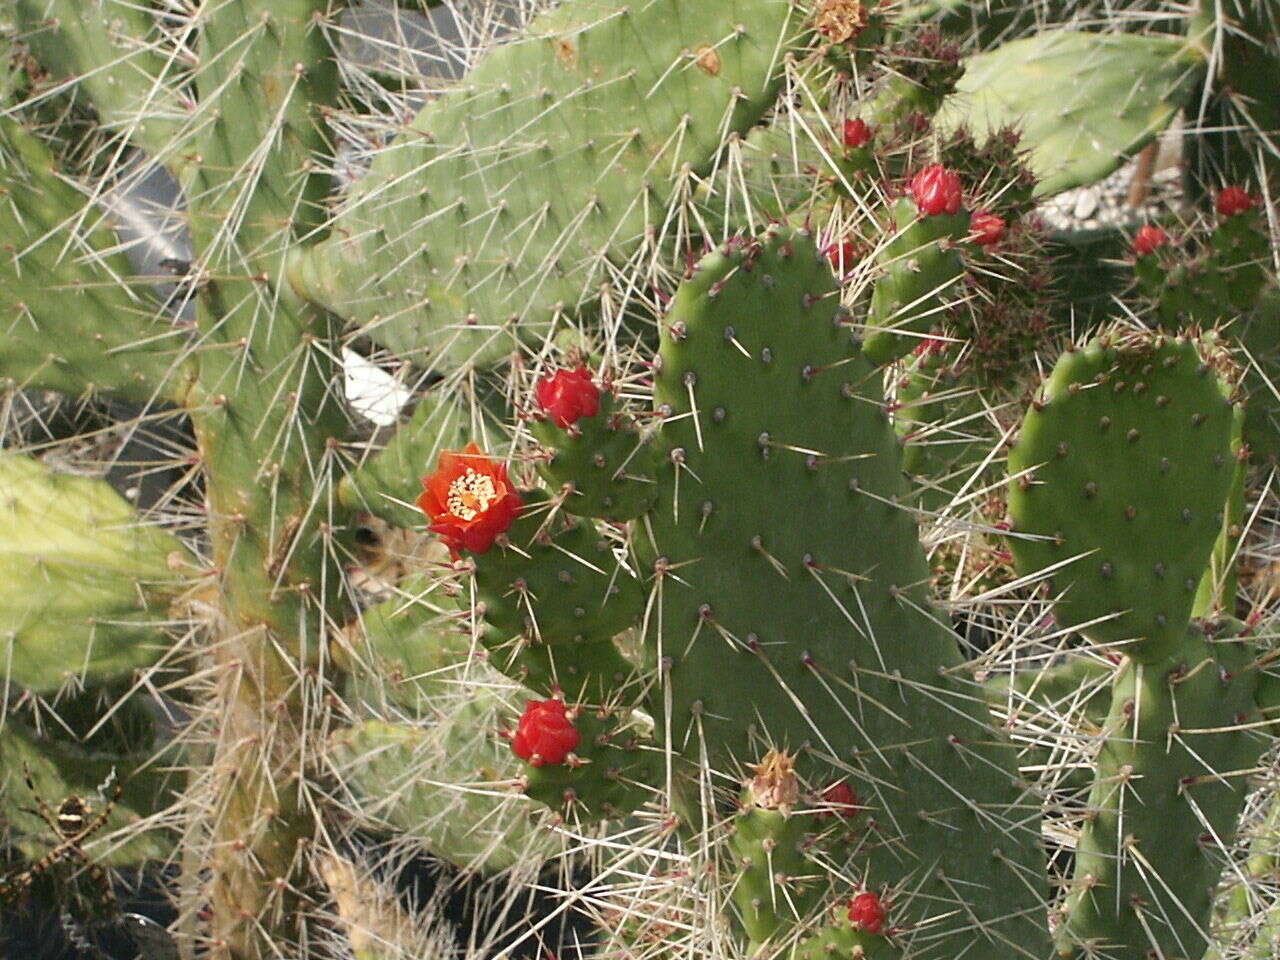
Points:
(789, 606)
(503, 198)
(1128, 464)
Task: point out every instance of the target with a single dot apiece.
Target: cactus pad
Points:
(789, 605)
(84, 585)
(1121, 475)
(1086, 101)
(504, 199)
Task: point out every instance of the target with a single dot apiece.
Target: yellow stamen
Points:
(471, 495)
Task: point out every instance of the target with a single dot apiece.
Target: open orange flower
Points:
(469, 500)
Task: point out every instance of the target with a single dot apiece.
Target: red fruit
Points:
(841, 256)
(866, 912)
(1233, 200)
(567, 395)
(856, 133)
(936, 190)
(841, 799)
(469, 500)
(545, 735)
(987, 228)
(1148, 240)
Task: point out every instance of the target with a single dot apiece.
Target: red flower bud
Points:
(867, 913)
(929, 346)
(1233, 200)
(856, 133)
(841, 800)
(469, 500)
(1148, 240)
(841, 256)
(936, 190)
(545, 735)
(987, 228)
(567, 395)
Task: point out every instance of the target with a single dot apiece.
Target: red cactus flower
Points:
(469, 500)
(840, 799)
(936, 190)
(841, 255)
(1148, 240)
(545, 734)
(987, 228)
(567, 395)
(856, 133)
(866, 912)
(1233, 200)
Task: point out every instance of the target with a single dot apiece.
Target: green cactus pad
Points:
(1216, 592)
(921, 262)
(777, 886)
(604, 461)
(940, 417)
(556, 580)
(789, 603)
(613, 772)
(1086, 101)
(505, 199)
(451, 783)
(84, 586)
(1170, 785)
(417, 646)
(1120, 477)
(1259, 333)
(70, 322)
(840, 941)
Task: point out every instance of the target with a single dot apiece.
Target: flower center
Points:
(471, 495)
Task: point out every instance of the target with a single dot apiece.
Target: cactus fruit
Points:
(866, 912)
(545, 734)
(1233, 200)
(936, 190)
(856, 134)
(1148, 240)
(567, 395)
(987, 229)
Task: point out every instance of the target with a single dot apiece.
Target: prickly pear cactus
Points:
(631, 479)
